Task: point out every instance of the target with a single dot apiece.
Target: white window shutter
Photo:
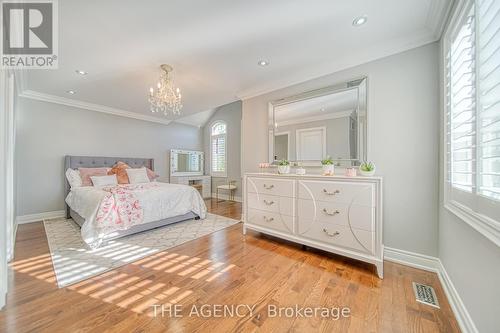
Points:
(461, 108)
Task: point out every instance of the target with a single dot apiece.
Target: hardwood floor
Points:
(222, 268)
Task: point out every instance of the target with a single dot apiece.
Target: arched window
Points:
(218, 142)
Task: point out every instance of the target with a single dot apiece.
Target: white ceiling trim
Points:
(187, 122)
(437, 16)
(90, 106)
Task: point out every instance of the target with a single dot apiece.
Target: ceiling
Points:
(336, 105)
(214, 47)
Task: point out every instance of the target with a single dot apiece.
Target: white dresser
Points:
(337, 214)
(202, 182)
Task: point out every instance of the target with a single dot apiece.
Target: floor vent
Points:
(425, 294)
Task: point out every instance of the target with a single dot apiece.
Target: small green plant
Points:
(327, 161)
(367, 166)
(284, 162)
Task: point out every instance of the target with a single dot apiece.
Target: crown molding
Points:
(187, 123)
(439, 10)
(35, 95)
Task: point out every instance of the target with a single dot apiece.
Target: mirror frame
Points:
(360, 85)
(187, 173)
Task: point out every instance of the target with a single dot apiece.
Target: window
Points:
(218, 150)
(472, 57)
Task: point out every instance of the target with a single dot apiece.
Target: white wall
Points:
(403, 120)
(46, 132)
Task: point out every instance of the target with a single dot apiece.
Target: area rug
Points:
(74, 261)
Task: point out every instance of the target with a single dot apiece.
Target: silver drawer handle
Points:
(336, 233)
(330, 193)
(269, 203)
(335, 212)
(271, 219)
(268, 187)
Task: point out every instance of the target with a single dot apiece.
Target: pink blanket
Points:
(120, 207)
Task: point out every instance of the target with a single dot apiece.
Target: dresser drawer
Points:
(272, 203)
(271, 220)
(281, 187)
(331, 191)
(359, 217)
(358, 240)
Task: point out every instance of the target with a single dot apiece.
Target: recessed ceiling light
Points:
(78, 71)
(359, 21)
(71, 92)
(263, 63)
(322, 109)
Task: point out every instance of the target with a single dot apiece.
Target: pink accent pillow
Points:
(86, 173)
(151, 174)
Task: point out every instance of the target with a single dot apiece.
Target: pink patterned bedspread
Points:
(121, 208)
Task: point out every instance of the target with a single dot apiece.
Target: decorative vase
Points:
(300, 171)
(283, 169)
(328, 169)
(350, 172)
(367, 173)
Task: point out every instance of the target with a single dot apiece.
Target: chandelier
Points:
(165, 97)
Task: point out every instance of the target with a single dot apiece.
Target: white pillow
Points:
(73, 177)
(137, 176)
(99, 181)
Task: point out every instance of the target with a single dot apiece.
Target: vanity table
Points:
(338, 214)
(186, 167)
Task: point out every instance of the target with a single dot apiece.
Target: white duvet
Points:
(158, 203)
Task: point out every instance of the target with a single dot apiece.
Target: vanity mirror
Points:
(326, 122)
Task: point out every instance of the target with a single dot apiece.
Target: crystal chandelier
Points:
(165, 97)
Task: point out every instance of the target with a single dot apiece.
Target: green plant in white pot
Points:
(283, 166)
(328, 166)
(367, 169)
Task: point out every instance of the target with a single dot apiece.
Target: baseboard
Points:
(40, 216)
(435, 265)
(412, 259)
(226, 197)
(457, 305)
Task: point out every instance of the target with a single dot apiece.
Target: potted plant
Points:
(367, 169)
(328, 166)
(284, 166)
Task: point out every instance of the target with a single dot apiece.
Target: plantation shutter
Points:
(218, 149)
(461, 108)
(473, 115)
(489, 98)
(219, 153)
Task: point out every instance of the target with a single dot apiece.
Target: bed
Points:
(174, 202)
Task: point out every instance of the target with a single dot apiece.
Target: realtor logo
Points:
(29, 34)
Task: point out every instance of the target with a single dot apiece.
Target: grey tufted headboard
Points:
(76, 162)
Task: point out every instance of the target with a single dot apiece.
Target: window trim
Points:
(218, 173)
(485, 225)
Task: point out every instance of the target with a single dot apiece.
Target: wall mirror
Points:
(331, 121)
(186, 162)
